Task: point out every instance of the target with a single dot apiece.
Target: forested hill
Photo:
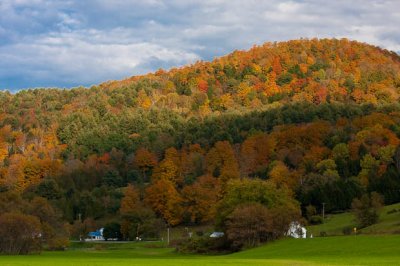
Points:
(319, 118)
(315, 71)
(267, 76)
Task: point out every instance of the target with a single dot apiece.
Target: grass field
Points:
(389, 223)
(344, 250)
(380, 247)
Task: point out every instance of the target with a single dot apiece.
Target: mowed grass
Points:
(341, 250)
(389, 223)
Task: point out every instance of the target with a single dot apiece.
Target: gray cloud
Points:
(71, 42)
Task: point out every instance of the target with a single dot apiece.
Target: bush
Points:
(205, 245)
(323, 234)
(177, 243)
(193, 246)
(57, 243)
(20, 233)
(316, 219)
(347, 230)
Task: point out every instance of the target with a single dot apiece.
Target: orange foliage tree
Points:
(165, 200)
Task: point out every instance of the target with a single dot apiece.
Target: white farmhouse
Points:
(296, 230)
(96, 236)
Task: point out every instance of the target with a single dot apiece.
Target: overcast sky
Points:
(67, 43)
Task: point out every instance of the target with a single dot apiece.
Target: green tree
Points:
(241, 191)
(113, 179)
(48, 189)
(366, 209)
(249, 225)
(112, 231)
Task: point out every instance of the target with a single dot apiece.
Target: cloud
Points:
(85, 57)
(72, 42)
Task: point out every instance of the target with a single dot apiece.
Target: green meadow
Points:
(389, 223)
(378, 244)
(340, 250)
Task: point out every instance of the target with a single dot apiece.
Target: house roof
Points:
(217, 234)
(97, 233)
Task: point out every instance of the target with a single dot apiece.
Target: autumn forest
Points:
(287, 126)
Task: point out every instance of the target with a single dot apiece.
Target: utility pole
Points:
(168, 235)
(80, 221)
(137, 232)
(323, 211)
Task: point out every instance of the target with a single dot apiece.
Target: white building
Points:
(296, 230)
(96, 236)
(217, 234)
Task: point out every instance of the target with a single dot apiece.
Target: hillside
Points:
(316, 71)
(119, 114)
(335, 223)
(316, 120)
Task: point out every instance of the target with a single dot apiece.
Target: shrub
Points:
(57, 243)
(20, 233)
(323, 234)
(205, 245)
(316, 219)
(347, 230)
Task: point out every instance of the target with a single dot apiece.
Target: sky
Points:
(69, 43)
